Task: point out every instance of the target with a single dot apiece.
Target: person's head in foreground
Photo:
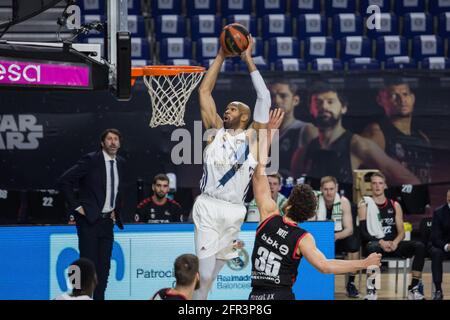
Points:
(83, 278)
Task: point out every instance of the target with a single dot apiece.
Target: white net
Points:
(169, 95)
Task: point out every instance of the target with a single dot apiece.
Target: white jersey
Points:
(228, 167)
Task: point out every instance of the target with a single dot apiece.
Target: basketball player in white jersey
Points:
(229, 162)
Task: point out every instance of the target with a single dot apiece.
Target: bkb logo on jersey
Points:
(240, 262)
(20, 132)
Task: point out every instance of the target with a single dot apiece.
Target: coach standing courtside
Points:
(97, 176)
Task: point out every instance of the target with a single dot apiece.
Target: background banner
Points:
(44, 133)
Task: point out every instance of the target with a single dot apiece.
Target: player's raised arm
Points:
(263, 100)
(208, 108)
(261, 190)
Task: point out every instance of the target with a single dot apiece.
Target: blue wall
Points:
(34, 261)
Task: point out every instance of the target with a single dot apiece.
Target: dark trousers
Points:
(95, 242)
(350, 244)
(437, 258)
(405, 249)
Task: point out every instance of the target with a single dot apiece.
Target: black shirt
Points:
(150, 212)
(329, 213)
(412, 151)
(274, 258)
(440, 234)
(46, 206)
(288, 144)
(11, 202)
(413, 199)
(165, 294)
(387, 214)
(334, 161)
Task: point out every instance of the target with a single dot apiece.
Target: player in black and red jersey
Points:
(391, 241)
(280, 243)
(159, 208)
(187, 277)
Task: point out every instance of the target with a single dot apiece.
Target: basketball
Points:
(234, 39)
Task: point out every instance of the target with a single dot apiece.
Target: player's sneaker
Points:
(371, 295)
(421, 288)
(437, 295)
(352, 292)
(414, 294)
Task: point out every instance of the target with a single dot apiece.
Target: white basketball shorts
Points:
(217, 225)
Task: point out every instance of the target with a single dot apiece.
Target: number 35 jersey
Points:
(274, 259)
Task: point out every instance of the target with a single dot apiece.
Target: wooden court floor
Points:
(387, 291)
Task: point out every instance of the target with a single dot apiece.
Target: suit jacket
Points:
(440, 229)
(89, 175)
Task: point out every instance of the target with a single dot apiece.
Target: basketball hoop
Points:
(169, 88)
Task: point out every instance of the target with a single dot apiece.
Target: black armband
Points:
(365, 235)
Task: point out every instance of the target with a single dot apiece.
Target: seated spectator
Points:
(275, 187)
(440, 238)
(84, 280)
(382, 231)
(332, 206)
(159, 208)
(187, 278)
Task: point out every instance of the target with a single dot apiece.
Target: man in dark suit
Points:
(440, 238)
(98, 177)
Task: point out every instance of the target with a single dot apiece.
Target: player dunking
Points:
(274, 267)
(229, 162)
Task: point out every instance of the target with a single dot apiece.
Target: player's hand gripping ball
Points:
(234, 39)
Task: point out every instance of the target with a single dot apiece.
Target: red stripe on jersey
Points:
(158, 204)
(174, 202)
(170, 292)
(294, 254)
(292, 224)
(382, 206)
(143, 203)
(265, 222)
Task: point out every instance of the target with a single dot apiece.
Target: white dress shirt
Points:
(107, 207)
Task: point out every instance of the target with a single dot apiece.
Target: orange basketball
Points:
(234, 39)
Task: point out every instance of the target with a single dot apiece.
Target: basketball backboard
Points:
(118, 42)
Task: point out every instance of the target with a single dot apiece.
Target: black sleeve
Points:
(365, 235)
(70, 179)
(437, 234)
(178, 216)
(426, 190)
(139, 213)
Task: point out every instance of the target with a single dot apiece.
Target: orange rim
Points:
(137, 72)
